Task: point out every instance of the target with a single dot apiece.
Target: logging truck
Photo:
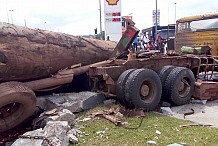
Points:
(34, 60)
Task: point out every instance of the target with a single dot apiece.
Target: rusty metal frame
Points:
(109, 73)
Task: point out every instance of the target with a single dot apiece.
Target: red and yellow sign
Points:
(112, 2)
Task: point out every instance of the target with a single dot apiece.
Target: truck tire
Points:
(163, 73)
(126, 88)
(17, 103)
(143, 89)
(179, 85)
(120, 87)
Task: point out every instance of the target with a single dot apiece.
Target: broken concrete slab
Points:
(198, 101)
(166, 111)
(30, 141)
(75, 102)
(44, 103)
(56, 131)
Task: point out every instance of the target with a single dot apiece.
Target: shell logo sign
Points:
(112, 2)
(112, 19)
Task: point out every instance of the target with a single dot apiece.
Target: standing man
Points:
(158, 41)
(144, 41)
(135, 44)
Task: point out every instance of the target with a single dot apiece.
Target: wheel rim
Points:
(147, 92)
(184, 87)
(9, 109)
(144, 90)
(181, 86)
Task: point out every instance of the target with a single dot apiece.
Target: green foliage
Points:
(170, 128)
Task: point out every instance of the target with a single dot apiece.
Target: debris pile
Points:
(56, 130)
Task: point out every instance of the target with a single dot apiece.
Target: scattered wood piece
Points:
(107, 115)
(51, 112)
(113, 119)
(111, 115)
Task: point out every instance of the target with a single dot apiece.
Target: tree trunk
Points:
(27, 54)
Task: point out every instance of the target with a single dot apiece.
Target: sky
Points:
(81, 17)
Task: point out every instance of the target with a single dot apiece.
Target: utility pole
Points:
(156, 21)
(7, 16)
(100, 20)
(44, 25)
(25, 22)
(175, 14)
(11, 16)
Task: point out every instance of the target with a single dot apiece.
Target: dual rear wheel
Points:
(140, 88)
(178, 86)
(144, 88)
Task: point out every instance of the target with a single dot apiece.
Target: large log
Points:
(28, 54)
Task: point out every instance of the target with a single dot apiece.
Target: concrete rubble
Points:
(27, 142)
(54, 115)
(54, 125)
(166, 111)
(75, 102)
(56, 131)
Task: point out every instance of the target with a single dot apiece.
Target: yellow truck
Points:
(198, 31)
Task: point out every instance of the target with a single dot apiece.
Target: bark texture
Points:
(27, 54)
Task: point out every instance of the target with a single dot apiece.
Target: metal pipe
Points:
(48, 83)
(62, 77)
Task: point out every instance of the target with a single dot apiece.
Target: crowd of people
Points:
(143, 43)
